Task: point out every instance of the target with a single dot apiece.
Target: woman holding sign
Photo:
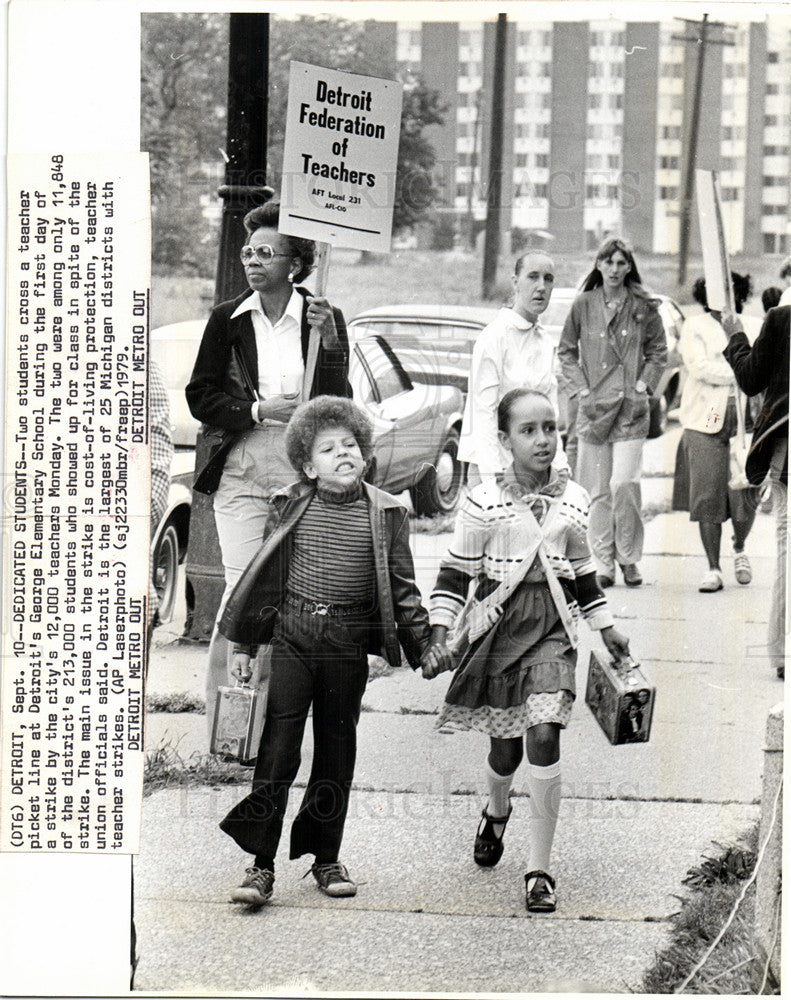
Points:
(261, 355)
(708, 416)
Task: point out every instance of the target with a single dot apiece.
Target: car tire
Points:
(166, 569)
(439, 488)
(657, 422)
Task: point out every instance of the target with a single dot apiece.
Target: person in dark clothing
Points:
(764, 368)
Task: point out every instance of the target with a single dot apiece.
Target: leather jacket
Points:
(224, 381)
(764, 368)
(251, 612)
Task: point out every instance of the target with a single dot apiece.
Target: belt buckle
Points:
(320, 609)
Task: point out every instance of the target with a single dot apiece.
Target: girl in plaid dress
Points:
(515, 681)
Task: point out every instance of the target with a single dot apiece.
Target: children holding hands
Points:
(522, 545)
(334, 580)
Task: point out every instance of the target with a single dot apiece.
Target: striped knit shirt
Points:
(333, 558)
(491, 538)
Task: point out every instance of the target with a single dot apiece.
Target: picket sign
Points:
(716, 266)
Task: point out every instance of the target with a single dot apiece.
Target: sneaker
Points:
(256, 889)
(742, 568)
(711, 582)
(333, 879)
(605, 580)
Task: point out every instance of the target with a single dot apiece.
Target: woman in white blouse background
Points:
(513, 351)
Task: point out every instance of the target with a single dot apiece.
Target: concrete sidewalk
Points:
(426, 918)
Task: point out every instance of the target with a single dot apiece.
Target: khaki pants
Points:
(611, 474)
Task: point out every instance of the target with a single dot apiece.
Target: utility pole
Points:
(244, 188)
(491, 246)
(473, 169)
(701, 40)
(245, 168)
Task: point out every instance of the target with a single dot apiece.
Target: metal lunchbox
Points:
(238, 723)
(621, 699)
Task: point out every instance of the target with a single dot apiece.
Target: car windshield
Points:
(558, 309)
(175, 358)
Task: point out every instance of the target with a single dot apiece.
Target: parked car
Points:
(169, 544)
(416, 422)
(435, 342)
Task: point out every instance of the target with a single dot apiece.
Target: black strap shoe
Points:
(540, 896)
(489, 844)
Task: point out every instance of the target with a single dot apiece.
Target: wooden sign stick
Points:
(323, 268)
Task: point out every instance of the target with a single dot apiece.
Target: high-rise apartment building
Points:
(598, 124)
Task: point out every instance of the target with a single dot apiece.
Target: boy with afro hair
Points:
(333, 581)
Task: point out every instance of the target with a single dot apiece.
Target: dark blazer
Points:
(213, 393)
(252, 608)
(764, 368)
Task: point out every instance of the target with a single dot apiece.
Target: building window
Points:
(775, 181)
(593, 161)
(672, 70)
(671, 131)
(613, 161)
(773, 88)
(668, 163)
(668, 193)
(776, 243)
(770, 120)
(616, 101)
(542, 159)
(773, 57)
(594, 101)
(729, 194)
(776, 150)
(520, 160)
(461, 190)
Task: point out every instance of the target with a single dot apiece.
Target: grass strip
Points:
(714, 887)
(166, 768)
(177, 703)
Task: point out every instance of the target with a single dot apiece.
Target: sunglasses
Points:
(263, 253)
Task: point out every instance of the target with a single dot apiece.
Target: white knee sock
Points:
(499, 786)
(544, 785)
